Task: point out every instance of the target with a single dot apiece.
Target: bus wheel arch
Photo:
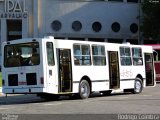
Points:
(140, 77)
(84, 87)
(138, 85)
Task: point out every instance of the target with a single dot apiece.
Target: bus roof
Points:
(155, 46)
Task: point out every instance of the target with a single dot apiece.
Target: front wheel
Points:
(84, 89)
(138, 86)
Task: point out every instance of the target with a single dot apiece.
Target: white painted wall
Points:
(87, 13)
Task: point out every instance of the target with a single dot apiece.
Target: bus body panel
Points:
(156, 48)
(50, 77)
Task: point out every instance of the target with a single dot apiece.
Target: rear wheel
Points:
(138, 86)
(84, 89)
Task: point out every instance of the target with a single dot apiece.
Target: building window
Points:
(56, 25)
(125, 56)
(82, 54)
(50, 53)
(116, 27)
(99, 57)
(137, 56)
(14, 29)
(76, 26)
(134, 28)
(96, 26)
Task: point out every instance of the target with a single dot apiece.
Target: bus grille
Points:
(31, 79)
(13, 80)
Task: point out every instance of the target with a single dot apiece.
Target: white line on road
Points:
(3, 108)
(53, 104)
(121, 98)
(147, 95)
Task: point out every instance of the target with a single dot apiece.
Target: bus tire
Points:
(84, 89)
(138, 86)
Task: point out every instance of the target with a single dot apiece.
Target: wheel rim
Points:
(138, 86)
(84, 89)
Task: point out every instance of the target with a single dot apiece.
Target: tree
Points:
(151, 19)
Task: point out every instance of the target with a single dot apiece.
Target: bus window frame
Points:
(123, 55)
(79, 57)
(102, 55)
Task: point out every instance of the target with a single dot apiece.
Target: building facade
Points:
(96, 20)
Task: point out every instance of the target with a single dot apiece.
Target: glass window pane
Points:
(50, 54)
(99, 60)
(122, 53)
(127, 52)
(137, 56)
(22, 54)
(77, 50)
(85, 50)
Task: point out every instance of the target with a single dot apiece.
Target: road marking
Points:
(3, 108)
(147, 95)
(121, 98)
(86, 101)
(53, 104)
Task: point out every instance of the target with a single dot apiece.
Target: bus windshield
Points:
(24, 54)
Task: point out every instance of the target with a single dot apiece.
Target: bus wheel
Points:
(138, 86)
(84, 89)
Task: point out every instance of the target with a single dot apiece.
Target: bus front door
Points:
(65, 70)
(149, 69)
(114, 70)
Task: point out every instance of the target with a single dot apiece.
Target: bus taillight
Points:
(42, 80)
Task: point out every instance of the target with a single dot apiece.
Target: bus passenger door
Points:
(64, 70)
(149, 69)
(114, 70)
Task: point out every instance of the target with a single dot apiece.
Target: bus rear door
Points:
(51, 68)
(114, 70)
(149, 69)
(64, 70)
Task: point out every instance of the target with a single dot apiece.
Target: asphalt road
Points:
(96, 107)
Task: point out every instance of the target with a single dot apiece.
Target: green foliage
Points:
(0, 79)
(151, 19)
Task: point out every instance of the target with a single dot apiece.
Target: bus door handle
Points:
(50, 72)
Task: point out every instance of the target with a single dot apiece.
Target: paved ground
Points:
(148, 102)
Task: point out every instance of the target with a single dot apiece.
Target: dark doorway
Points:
(14, 29)
(114, 70)
(65, 70)
(149, 69)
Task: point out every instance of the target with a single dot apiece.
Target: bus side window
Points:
(137, 56)
(125, 56)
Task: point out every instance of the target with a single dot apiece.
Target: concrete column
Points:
(35, 18)
(3, 30)
(25, 28)
(41, 17)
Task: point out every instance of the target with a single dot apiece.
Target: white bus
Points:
(51, 67)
